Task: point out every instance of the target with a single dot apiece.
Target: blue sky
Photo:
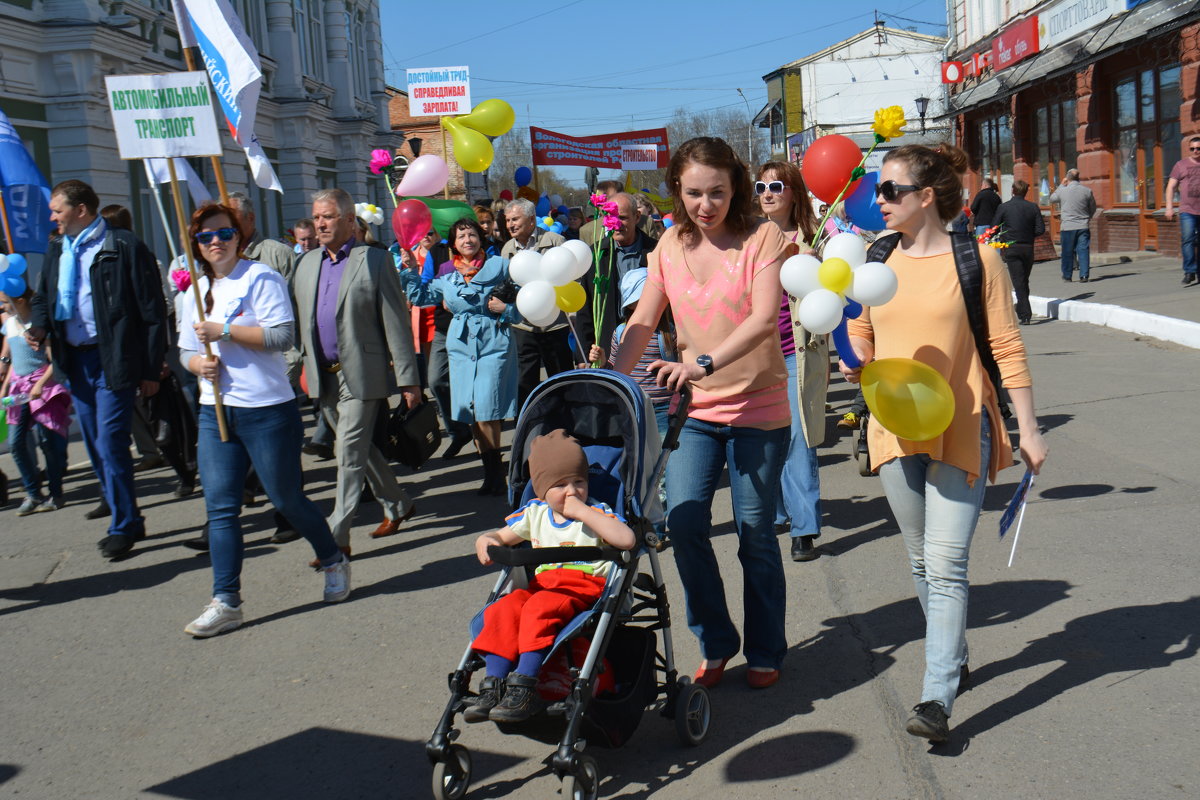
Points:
(585, 67)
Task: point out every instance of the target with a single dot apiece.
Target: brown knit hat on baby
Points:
(553, 457)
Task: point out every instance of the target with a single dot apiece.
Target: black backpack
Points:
(970, 280)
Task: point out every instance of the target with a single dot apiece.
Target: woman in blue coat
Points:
(482, 354)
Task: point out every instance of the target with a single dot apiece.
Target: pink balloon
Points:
(425, 177)
(411, 221)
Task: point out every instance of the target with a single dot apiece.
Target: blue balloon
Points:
(523, 176)
(14, 285)
(543, 206)
(860, 206)
(541, 223)
(841, 343)
(557, 228)
(564, 210)
(16, 265)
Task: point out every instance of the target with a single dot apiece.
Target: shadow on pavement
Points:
(8, 772)
(1132, 639)
(789, 756)
(322, 762)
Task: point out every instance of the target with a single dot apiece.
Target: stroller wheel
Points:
(862, 454)
(585, 784)
(693, 714)
(452, 776)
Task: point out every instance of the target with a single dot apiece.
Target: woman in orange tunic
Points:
(935, 488)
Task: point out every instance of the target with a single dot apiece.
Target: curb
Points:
(1179, 331)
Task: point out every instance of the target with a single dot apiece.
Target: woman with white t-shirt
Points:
(249, 325)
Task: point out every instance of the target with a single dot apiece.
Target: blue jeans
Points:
(937, 512)
(105, 417)
(1187, 241)
(1075, 245)
(755, 459)
(269, 438)
(21, 438)
(800, 485)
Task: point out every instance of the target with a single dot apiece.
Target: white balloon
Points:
(558, 266)
(4, 262)
(821, 311)
(536, 302)
(583, 256)
(525, 267)
(874, 284)
(847, 247)
(799, 275)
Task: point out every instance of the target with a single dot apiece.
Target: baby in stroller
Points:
(520, 627)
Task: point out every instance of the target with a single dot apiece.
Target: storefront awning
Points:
(763, 118)
(1141, 22)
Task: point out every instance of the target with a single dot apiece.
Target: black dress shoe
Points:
(1189, 277)
(148, 463)
(323, 452)
(116, 545)
(185, 488)
(456, 445)
(200, 542)
(803, 550)
(99, 512)
(284, 535)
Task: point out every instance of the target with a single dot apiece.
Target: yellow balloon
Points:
(909, 398)
(472, 150)
(835, 274)
(491, 118)
(570, 297)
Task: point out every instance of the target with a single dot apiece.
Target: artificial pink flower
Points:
(598, 199)
(609, 207)
(612, 223)
(379, 160)
(182, 279)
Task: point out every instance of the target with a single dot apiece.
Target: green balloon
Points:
(445, 213)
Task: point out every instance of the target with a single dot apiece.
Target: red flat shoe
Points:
(758, 679)
(710, 676)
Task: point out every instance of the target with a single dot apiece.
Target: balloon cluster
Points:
(549, 281)
(836, 289)
(369, 213)
(472, 148)
(12, 274)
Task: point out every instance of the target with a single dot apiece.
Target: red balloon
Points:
(827, 166)
(506, 195)
(411, 221)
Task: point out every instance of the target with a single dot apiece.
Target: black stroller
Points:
(608, 413)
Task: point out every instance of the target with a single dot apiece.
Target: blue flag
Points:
(26, 193)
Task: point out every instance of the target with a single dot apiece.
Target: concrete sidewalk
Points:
(1137, 292)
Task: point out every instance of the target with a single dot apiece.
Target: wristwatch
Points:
(705, 361)
(226, 334)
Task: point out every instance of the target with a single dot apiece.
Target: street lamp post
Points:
(749, 128)
(922, 107)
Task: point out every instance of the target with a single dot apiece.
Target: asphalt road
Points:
(1085, 680)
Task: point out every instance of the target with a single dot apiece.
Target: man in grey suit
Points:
(353, 322)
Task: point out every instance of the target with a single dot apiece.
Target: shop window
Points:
(996, 150)
(1147, 119)
(1054, 145)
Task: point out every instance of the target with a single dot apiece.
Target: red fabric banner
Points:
(552, 149)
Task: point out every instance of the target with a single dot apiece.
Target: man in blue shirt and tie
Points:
(99, 305)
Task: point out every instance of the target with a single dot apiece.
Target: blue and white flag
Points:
(235, 71)
(26, 193)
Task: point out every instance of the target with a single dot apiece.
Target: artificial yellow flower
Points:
(888, 122)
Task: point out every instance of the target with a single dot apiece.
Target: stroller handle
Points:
(536, 556)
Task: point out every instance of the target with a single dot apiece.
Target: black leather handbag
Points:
(410, 436)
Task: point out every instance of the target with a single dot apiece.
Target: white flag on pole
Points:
(235, 71)
(157, 171)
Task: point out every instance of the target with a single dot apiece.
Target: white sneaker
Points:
(337, 581)
(217, 618)
(30, 506)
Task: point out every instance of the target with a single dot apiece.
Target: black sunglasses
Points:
(892, 190)
(1194, 148)
(224, 234)
(774, 187)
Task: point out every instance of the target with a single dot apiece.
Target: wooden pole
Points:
(7, 231)
(190, 61)
(187, 255)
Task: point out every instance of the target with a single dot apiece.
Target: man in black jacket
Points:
(1020, 223)
(99, 303)
(626, 249)
(983, 207)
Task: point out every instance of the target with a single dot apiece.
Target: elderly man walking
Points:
(100, 305)
(354, 328)
(1078, 207)
(536, 347)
